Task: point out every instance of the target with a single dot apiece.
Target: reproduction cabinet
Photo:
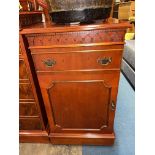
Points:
(78, 70)
(32, 117)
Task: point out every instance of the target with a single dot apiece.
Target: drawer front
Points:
(79, 37)
(29, 124)
(25, 91)
(28, 109)
(22, 70)
(77, 60)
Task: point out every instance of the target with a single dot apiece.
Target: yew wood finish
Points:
(32, 115)
(31, 14)
(78, 69)
(90, 58)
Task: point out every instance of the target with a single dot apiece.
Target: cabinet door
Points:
(80, 105)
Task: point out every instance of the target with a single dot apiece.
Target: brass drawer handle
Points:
(113, 106)
(49, 62)
(104, 61)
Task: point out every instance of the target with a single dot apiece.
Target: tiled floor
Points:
(124, 130)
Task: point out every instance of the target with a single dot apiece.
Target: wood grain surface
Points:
(76, 69)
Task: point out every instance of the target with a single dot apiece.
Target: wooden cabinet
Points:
(32, 117)
(78, 69)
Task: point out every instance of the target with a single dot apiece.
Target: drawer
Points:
(22, 70)
(78, 60)
(25, 91)
(29, 124)
(28, 109)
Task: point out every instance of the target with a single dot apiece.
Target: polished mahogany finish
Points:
(77, 69)
(32, 116)
(33, 125)
(30, 13)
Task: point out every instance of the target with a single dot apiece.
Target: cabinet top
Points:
(50, 27)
